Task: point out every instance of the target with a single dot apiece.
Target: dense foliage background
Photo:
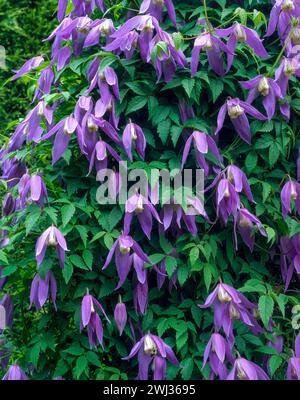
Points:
(48, 343)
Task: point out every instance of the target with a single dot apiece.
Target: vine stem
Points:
(206, 15)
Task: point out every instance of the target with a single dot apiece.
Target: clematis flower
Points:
(281, 15)
(293, 369)
(240, 33)
(237, 110)
(122, 248)
(145, 212)
(100, 28)
(148, 348)
(120, 315)
(40, 289)
(245, 222)
(155, 8)
(28, 66)
(161, 272)
(90, 318)
(228, 200)
(247, 370)
(6, 312)
(140, 296)
(290, 257)
(37, 188)
(267, 88)
(12, 171)
(8, 205)
(102, 109)
(83, 106)
(99, 156)
(217, 349)
(212, 46)
(63, 131)
(202, 142)
(133, 133)
(229, 305)
(105, 80)
(290, 191)
(14, 373)
(44, 83)
(54, 238)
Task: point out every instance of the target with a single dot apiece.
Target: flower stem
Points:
(206, 15)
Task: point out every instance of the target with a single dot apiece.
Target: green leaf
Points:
(251, 161)
(82, 230)
(61, 368)
(136, 104)
(187, 368)
(163, 130)
(35, 354)
(8, 271)
(188, 85)
(77, 261)
(93, 358)
(67, 212)
(171, 264)
(88, 258)
(75, 349)
(274, 363)
(81, 364)
(67, 271)
(265, 307)
(175, 134)
(32, 219)
(207, 276)
(216, 87)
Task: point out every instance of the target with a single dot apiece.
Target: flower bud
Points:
(223, 296)
(235, 111)
(120, 316)
(149, 346)
(263, 87)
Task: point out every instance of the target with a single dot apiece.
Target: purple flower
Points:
(281, 16)
(245, 221)
(267, 88)
(99, 156)
(293, 369)
(103, 27)
(155, 8)
(145, 212)
(37, 188)
(290, 191)
(228, 200)
(8, 205)
(212, 46)
(105, 80)
(40, 289)
(152, 349)
(28, 66)
(54, 238)
(140, 293)
(14, 373)
(217, 349)
(240, 33)
(44, 83)
(202, 143)
(246, 370)
(120, 316)
(236, 110)
(123, 259)
(134, 134)
(90, 318)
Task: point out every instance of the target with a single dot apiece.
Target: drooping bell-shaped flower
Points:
(122, 249)
(148, 349)
(120, 316)
(52, 237)
(99, 156)
(281, 15)
(293, 369)
(36, 187)
(265, 87)
(133, 134)
(237, 110)
(138, 205)
(100, 28)
(240, 33)
(44, 83)
(14, 373)
(28, 66)
(155, 8)
(106, 80)
(202, 143)
(8, 205)
(228, 200)
(40, 289)
(213, 47)
(290, 191)
(217, 349)
(140, 294)
(90, 318)
(245, 222)
(247, 370)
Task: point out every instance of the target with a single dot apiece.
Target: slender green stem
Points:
(206, 15)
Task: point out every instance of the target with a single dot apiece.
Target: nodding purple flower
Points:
(202, 143)
(105, 80)
(140, 291)
(40, 289)
(81, 7)
(52, 237)
(290, 191)
(240, 33)
(217, 349)
(12, 171)
(229, 305)
(83, 106)
(103, 27)
(28, 66)
(6, 312)
(148, 349)
(237, 110)
(281, 15)
(287, 68)
(64, 56)
(120, 316)
(245, 222)
(212, 46)
(14, 373)
(228, 200)
(138, 205)
(63, 130)
(265, 87)
(246, 370)
(44, 83)
(290, 253)
(90, 318)
(8, 205)
(134, 134)
(293, 369)
(239, 180)
(123, 259)
(102, 109)
(155, 8)
(99, 156)
(37, 188)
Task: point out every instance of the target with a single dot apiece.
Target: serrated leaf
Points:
(171, 264)
(163, 130)
(88, 258)
(265, 307)
(136, 104)
(82, 230)
(31, 220)
(274, 363)
(188, 85)
(67, 212)
(216, 87)
(81, 364)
